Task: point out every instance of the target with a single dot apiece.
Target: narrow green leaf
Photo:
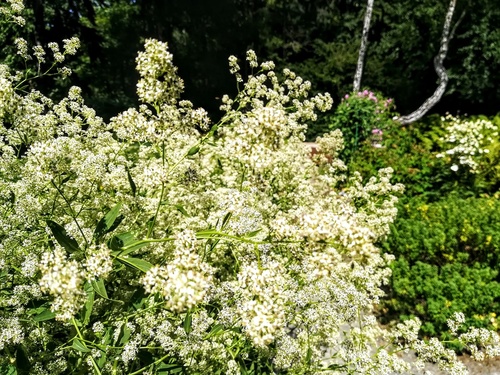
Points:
(44, 315)
(87, 307)
(308, 356)
(99, 287)
(182, 210)
(139, 264)
(226, 219)
(62, 237)
(132, 183)
(188, 323)
(79, 345)
(253, 233)
(214, 331)
(121, 240)
(193, 150)
(106, 223)
(206, 232)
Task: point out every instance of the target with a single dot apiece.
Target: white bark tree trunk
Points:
(440, 70)
(362, 49)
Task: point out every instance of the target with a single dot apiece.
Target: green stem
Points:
(73, 214)
(146, 367)
(80, 336)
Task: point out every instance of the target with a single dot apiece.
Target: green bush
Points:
(429, 165)
(361, 116)
(410, 151)
(447, 260)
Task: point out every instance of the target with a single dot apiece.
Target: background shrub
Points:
(447, 260)
(360, 116)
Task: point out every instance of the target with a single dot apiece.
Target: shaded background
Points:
(319, 39)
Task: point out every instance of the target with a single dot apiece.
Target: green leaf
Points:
(132, 183)
(124, 335)
(106, 223)
(88, 306)
(226, 219)
(206, 233)
(193, 150)
(99, 287)
(309, 356)
(8, 370)
(214, 331)
(136, 263)
(121, 240)
(253, 233)
(79, 345)
(182, 210)
(44, 315)
(62, 237)
(101, 360)
(168, 368)
(23, 364)
(188, 323)
(125, 243)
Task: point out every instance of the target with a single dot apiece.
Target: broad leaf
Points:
(121, 240)
(62, 237)
(99, 287)
(44, 315)
(107, 223)
(139, 264)
(79, 345)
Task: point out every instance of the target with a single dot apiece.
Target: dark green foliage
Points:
(447, 259)
(317, 39)
(410, 151)
(362, 117)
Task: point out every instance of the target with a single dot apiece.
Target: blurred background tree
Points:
(319, 39)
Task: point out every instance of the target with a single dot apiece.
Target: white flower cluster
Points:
(12, 11)
(262, 308)
(185, 280)
(63, 279)
(154, 63)
(468, 139)
(98, 263)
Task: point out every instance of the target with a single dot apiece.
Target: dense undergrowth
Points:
(446, 235)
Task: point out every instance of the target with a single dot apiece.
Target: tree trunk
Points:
(440, 70)
(362, 49)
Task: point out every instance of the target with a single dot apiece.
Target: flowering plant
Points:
(466, 141)
(362, 116)
(144, 246)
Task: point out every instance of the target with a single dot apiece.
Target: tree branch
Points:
(362, 49)
(439, 68)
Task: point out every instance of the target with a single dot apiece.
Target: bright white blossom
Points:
(466, 141)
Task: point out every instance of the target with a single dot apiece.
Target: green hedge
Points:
(447, 259)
